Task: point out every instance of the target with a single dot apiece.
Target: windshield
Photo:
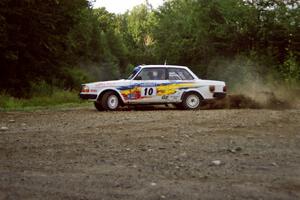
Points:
(135, 71)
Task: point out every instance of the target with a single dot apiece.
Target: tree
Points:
(35, 41)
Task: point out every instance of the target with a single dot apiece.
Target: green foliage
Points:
(34, 41)
(73, 78)
(41, 88)
(136, 29)
(58, 97)
(128, 71)
(49, 44)
(195, 32)
(290, 71)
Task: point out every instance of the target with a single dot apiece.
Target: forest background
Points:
(49, 47)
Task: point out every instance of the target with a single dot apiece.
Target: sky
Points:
(121, 6)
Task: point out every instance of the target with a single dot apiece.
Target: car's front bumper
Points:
(88, 96)
(219, 95)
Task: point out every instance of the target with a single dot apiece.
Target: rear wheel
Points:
(110, 101)
(98, 106)
(191, 101)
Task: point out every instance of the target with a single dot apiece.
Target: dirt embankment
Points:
(158, 154)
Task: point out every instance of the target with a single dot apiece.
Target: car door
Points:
(146, 86)
(180, 80)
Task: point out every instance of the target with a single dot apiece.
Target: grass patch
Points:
(58, 99)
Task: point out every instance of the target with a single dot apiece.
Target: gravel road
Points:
(154, 154)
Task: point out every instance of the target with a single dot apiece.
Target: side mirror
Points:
(139, 78)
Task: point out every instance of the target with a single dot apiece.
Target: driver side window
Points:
(151, 74)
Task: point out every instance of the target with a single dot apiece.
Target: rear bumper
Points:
(88, 96)
(219, 95)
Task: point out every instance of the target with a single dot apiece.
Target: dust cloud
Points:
(251, 86)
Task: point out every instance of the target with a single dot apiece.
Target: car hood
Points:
(108, 83)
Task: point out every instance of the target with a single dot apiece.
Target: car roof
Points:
(162, 66)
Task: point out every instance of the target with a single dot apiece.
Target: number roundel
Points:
(148, 91)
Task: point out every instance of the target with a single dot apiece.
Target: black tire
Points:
(191, 101)
(110, 101)
(98, 106)
(178, 106)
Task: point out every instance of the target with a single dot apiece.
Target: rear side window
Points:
(179, 74)
(152, 74)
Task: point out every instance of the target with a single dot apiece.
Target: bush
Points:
(73, 78)
(58, 97)
(290, 71)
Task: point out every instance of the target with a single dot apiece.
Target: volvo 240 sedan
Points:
(154, 84)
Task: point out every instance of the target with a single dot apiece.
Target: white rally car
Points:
(154, 84)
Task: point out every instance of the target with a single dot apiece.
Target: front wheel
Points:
(191, 101)
(110, 101)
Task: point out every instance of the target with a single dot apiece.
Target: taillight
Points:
(212, 88)
(225, 88)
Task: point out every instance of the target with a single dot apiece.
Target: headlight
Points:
(85, 89)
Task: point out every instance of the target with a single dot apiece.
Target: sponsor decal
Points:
(165, 97)
(148, 90)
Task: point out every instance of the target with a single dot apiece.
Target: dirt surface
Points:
(158, 154)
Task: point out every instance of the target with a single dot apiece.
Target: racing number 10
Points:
(148, 91)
